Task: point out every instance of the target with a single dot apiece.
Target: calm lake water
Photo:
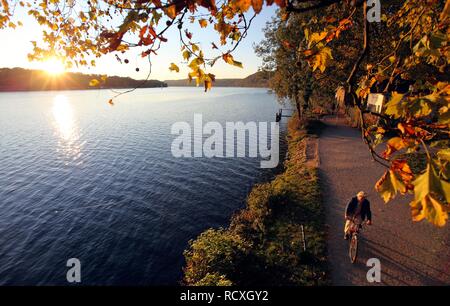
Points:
(82, 179)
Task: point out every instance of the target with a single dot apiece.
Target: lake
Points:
(82, 179)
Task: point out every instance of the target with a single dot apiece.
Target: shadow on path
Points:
(410, 253)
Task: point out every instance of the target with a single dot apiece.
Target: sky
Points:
(16, 45)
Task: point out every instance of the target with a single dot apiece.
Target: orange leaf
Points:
(257, 5)
(203, 23)
(393, 145)
(171, 11)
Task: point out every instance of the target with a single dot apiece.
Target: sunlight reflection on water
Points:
(66, 127)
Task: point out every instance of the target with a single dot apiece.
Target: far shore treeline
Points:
(20, 79)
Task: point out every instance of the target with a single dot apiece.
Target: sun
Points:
(54, 66)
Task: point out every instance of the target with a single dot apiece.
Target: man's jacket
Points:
(365, 209)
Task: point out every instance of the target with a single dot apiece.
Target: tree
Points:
(415, 47)
(79, 32)
(417, 119)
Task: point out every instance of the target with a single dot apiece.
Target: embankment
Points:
(278, 239)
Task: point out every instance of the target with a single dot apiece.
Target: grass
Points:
(264, 243)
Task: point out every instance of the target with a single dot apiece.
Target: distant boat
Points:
(270, 91)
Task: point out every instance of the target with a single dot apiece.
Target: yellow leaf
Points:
(186, 54)
(209, 78)
(316, 37)
(321, 59)
(431, 209)
(389, 185)
(195, 63)
(174, 67)
(94, 82)
(195, 48)
(430, 182)
(228, 58)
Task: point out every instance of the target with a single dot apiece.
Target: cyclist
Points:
(357, 209)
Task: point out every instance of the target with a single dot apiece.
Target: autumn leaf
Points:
(195, 63)
(394, 107)
(94, 82)
(430, 182)
(209, 78)
(186, 54)
(5, 6)
(188, 34)
(425, 204)
(281, 3)
(320, 59)
(203, 23)
(389, 185)
(241, 5)
(402, 169)
(257, 5)
(228, 58)
(171, 11)
(174, 67)
(406, 129)
(431, 209)
(194, 47)
(393, 145)
(316, 37)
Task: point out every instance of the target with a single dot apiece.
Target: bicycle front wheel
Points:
(353, 249)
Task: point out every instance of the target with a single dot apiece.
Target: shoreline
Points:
(125, 88)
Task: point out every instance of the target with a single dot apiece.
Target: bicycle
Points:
(354, 229)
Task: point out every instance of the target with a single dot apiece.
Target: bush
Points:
(214, 252)
(214, 280)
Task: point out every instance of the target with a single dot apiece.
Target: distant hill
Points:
(258, 79)
(19, 79)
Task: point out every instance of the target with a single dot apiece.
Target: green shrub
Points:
(217, 252)
(214, 280)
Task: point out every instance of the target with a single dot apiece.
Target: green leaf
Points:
(394, 107)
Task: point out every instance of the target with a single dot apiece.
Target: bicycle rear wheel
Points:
(353, 248)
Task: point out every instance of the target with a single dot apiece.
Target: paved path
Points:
(410, 253)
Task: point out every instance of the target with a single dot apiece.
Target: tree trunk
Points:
(299, 109)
